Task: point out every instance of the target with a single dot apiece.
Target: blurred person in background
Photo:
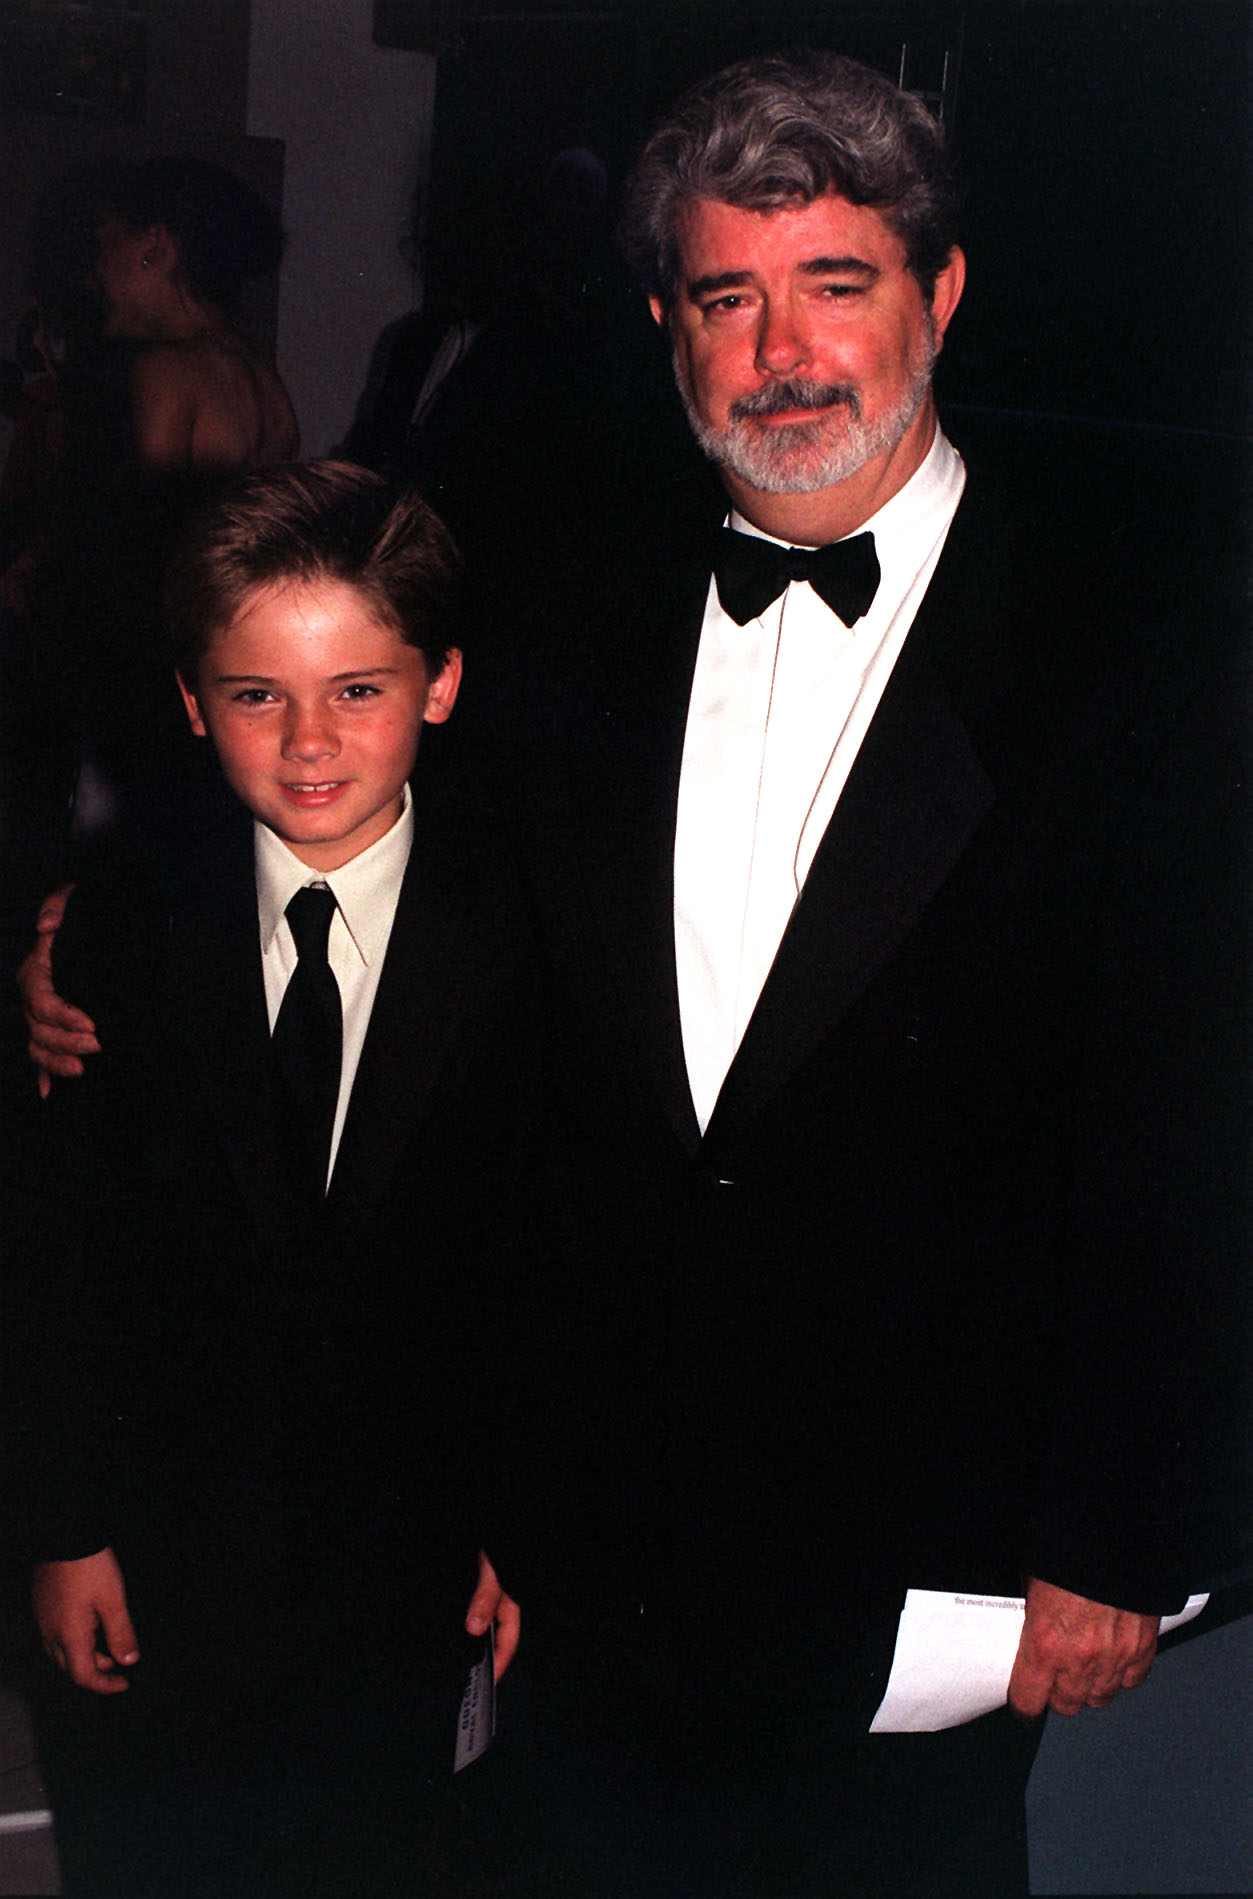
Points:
(163, 396)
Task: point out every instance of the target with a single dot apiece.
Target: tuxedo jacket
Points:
(947, 1293)
(284, 1404)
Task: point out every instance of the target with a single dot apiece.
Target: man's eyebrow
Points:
(717, 281)
(840, 267)
(720, 280)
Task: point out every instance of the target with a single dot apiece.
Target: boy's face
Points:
(315, 708)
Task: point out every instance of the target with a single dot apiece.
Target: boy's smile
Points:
(315, 707)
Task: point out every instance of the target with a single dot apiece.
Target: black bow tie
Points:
(751, 573)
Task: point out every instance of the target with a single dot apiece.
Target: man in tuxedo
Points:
(893, 982)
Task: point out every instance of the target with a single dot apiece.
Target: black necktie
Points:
(751, 573)
(308, 1035)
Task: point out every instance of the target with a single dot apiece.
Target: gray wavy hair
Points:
(784, 130)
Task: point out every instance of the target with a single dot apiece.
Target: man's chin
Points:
(778, 467)
(788, 458)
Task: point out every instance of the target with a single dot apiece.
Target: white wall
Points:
(356, 122)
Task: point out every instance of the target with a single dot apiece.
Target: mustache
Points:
(775, 397)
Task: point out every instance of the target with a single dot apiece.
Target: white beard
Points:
(799, 458)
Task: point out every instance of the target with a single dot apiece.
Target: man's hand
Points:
(489, 1604)
(59, 1033)
(1077, 1654)
(80, 1610)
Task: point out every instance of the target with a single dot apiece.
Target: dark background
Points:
(1104, 143)
(1103, 337)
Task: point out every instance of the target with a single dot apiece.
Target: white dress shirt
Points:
(365, 891)
(778, 712)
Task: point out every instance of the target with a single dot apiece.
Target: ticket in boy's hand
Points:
(476, 1721)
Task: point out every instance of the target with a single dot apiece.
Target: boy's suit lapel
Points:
(220, 1000)
(414, 1019)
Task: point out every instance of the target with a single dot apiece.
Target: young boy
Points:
(258, 1372)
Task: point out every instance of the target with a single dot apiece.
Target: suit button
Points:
(706, 1180)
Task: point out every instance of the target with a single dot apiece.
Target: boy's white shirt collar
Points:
(356, 885)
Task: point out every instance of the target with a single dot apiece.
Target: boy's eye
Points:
(361, 690)
(252, 696)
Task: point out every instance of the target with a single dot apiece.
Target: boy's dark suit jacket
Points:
(282, 1415)
(945, 1296)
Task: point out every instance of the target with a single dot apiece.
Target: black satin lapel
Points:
(222, 999)
(915, 797)
(625, 787)
(416, 1012)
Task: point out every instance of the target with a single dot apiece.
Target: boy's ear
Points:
(193, 708)
(441, 695)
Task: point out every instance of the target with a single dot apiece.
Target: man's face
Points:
(315, 708)
(803, 346)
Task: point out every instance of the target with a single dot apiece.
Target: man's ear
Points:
(658, 309)
(441, 695)
(949, 285)
(192, 704)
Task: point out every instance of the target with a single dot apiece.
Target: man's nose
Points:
(782, 342)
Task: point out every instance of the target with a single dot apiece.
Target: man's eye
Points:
(841, 290)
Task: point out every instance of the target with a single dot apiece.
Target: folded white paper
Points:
(954, 1656)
